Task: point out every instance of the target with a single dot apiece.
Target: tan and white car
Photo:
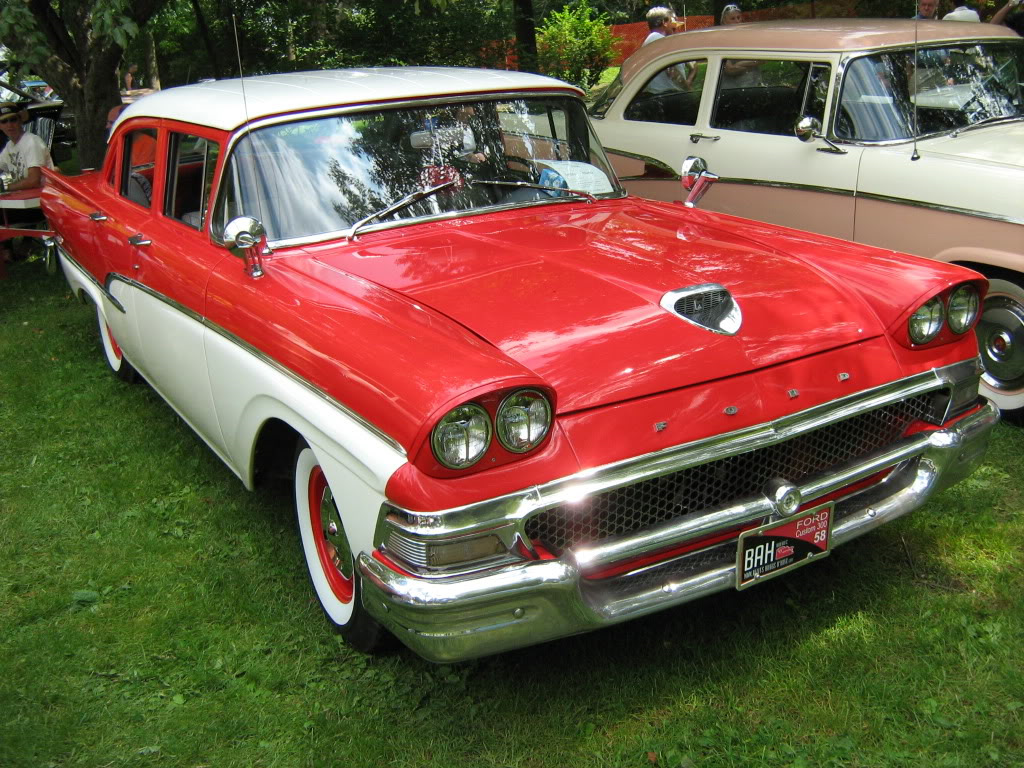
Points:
(837, 127)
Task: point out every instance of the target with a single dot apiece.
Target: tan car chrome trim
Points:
(939, 207)
(673, 175)
(229, 336)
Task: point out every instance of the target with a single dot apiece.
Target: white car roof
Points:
(220, 103)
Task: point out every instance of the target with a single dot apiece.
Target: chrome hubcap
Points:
(334, 535)
(1001, 339)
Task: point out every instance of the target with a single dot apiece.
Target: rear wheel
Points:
(329, 555)
(120, 367)
(1001, 340)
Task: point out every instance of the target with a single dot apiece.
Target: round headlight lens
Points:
(926, 322)
(523, 421)
(462, 436)
(963, 308)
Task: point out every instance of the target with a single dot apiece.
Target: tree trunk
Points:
(151, 64)
(526, 35)
(204, 32)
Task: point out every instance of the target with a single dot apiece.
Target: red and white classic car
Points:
(518, 404)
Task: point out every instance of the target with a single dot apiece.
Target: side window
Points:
(191, 161)
(671, 96)
(760, 96)
(139, 150)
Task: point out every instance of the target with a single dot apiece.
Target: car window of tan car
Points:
(764, 96)
(671, 96)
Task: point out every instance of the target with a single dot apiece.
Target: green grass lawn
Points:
(154, 613)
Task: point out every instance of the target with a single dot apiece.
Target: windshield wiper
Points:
(987, 121)
(398, 205)
(529, 185)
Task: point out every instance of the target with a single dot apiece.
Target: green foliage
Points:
(576, 44)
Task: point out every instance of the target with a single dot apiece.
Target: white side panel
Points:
(173, 360)
(249, 390)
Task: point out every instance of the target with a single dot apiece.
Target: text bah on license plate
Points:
(783, 545)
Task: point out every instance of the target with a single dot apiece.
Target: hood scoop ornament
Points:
(709, 306)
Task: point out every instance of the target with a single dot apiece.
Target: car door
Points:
(174, 258)
(744, 131)
(124, 207)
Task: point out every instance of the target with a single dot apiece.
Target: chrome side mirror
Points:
(697, 179)
(807, 128)
(243, 236)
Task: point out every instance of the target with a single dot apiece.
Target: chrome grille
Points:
(705, 308)
(631, 508)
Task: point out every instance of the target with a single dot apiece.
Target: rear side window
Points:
(191, 161)
(763, 96)
(671, 96)
(139, 155)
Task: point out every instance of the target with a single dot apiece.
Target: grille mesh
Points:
(634, 507)
(705, 308)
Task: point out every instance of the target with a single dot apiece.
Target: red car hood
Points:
(573, 295)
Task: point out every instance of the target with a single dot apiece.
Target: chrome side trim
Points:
(943, 208)
(786, 185)
(103, 288)
(673, 175)
(516, 507)
(242, 343)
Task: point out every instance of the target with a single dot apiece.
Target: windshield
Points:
(317, 177)
(952, 87)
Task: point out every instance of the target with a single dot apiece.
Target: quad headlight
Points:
(523, 420)
(462, 437)
(926, 322)
(963, 308)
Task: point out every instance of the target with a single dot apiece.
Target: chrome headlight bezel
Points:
(925, 324)
(530, 403)
(470, 418)
(963, 308)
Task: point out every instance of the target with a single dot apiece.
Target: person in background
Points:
(927, 10)
(1011, 15)
(130, 79)
(23, 158)
(661, 21)
(962, 13)
(731, 14)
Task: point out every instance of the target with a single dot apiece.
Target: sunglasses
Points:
(6, 120)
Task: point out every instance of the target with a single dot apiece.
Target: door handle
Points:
(97, 216)
(139, 239)
(695, 137)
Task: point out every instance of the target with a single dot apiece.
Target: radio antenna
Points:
(915, 155)
(254, 264)
(684, 17)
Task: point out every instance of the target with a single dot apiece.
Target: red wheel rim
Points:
(342, 586)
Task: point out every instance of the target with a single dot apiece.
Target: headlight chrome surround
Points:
(523, 420)
(963, 307)
(461, 438)
(926, 322)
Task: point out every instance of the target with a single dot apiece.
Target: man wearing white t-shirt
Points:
(25, 153)
(22, 158)
(961, 13)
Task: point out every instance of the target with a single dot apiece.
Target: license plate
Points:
(778, 547)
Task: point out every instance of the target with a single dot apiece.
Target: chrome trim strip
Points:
(511, 607)
(517, 506)
(261, 356)
(786, 185)
(103, 288)
(942, 208)
(647, 160)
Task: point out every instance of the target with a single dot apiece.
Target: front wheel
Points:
(118, 366)
(1001, 341)
(329, 555)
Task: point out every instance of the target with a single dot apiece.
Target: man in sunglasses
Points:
(21, 159)
(25, 153)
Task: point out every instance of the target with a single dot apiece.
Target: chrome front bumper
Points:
(448, 620)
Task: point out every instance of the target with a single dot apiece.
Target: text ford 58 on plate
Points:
(517, 403)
